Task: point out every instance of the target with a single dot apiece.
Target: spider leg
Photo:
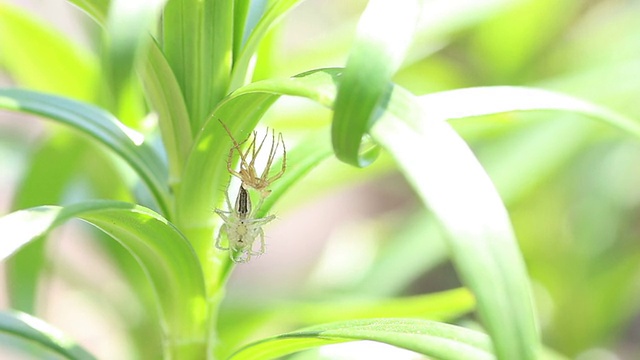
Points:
(256, 151)
(259, 203)
(218, 244)
(236, 146)
(251, 150)
(284, 161)
(260, 221)
(263, 245)
(224, 215)
(272, 154)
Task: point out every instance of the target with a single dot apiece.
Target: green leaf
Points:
(44, 182)
(240, 320)
(383, 37)
(127, 31)
(166, 98)
(439, 340)
(198, 44)
(272, 15)
(36, 331)
(38, 56)
(101, 126)
(161, 250)
(454, 186)
(480, 101)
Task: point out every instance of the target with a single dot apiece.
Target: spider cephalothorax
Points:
(241, 228)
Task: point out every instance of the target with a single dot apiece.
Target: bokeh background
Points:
(572, 185)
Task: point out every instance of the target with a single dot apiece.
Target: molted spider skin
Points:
(247, 172)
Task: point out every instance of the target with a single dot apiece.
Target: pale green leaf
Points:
(36, 331)
(454, 186)
(101, 126)
(252, 37)
(165, 96)
(198, 45)
(384, 34)
(242, 318)
(127, 28)
(160, 249)
(442, 341)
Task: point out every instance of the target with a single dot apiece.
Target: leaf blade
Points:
(160, 249)
(34, 330)
(101, 126)
(426, 337)
(383, 36)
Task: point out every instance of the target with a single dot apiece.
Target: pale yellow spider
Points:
(247, 172)
(241, 228)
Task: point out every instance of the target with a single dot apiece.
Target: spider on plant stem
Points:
(241, 228)
(247, 172)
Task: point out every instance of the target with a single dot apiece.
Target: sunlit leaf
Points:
(198, 45)
(275, 11)
(127, 29)
(383, 37)
(165, 96)
(442, 341)
(45, 181)
(99, 125)
(453, 185)
(36, 331)
(160, 249)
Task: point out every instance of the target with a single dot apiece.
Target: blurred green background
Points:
(571, 185)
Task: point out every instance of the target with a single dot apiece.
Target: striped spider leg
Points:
(242, 229)
(247, 172)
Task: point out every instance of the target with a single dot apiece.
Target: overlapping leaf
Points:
(160, 249)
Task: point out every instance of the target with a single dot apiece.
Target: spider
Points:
(247, 172)
(241, 228)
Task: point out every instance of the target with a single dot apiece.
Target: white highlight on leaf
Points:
(20, 227)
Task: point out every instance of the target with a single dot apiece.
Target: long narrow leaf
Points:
(166, 98)
(241, 321)
(33, 330)
(273, 14)
(127, 30)
(198, 44)
(43, 183)
(431, 338)
(165, 255)
(101, 126)
(479, 101)
(451, 182)
(383, 37)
